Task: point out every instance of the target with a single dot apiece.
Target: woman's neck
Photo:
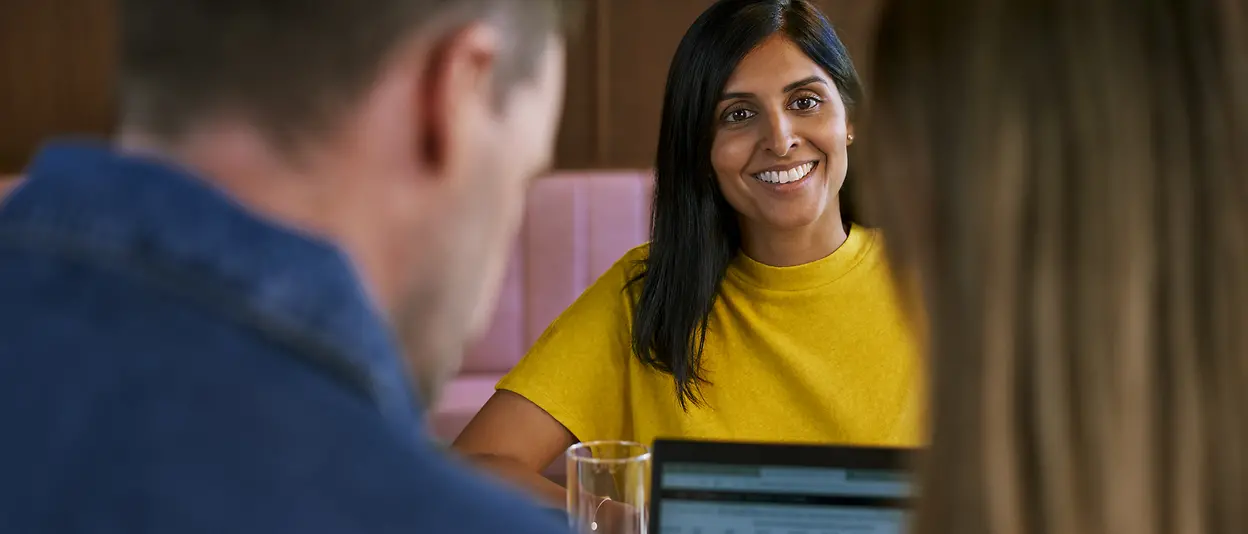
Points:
(792, 246)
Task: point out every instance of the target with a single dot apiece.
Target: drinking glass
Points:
(608, 487)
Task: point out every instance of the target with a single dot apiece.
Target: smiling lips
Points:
(786, 176)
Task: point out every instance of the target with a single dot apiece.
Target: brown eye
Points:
(738, 115)
(805, 103)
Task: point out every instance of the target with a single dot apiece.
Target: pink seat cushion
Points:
(576, 226)
(460, 400)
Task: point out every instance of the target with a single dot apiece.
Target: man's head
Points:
(404, 130)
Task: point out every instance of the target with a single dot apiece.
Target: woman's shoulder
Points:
(616, 286)
(636, 254)
(632, 263)
(873, 250)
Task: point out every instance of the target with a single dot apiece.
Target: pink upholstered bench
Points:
(576, 226)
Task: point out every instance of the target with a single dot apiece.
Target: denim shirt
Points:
(171, 362)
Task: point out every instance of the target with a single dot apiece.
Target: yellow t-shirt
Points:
(818, 353)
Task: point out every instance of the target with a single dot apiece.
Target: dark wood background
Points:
(57, 66)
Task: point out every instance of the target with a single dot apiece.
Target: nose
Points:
(780, 138)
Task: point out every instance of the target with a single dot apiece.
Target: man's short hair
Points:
(293, 65)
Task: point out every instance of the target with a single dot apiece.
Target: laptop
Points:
(703, 487)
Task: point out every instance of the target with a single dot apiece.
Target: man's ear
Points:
(457, 83)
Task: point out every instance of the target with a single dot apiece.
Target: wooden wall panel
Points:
(57, 65)
(57, 69)
(578, 145)
(642, 36)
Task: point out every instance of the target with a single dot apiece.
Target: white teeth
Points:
(784, 177)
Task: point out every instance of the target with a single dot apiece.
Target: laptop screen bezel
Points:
(673, 451)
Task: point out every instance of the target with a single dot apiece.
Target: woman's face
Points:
(780, 137)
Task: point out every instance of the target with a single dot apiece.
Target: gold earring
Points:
(851, 138)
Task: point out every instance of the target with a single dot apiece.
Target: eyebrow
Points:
(804, 81)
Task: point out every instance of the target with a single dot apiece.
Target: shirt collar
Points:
(138, 206)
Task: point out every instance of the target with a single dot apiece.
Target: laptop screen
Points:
(708, 498)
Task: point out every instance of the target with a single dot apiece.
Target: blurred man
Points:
(201, 325)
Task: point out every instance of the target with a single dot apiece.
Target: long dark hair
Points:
(696, 233)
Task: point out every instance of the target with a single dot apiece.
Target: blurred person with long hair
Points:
(761, 309)
(1068, 183)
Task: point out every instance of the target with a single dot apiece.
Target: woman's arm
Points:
(570, 384)
(516, 440)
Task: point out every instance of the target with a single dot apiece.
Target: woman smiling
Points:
(760, 310)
